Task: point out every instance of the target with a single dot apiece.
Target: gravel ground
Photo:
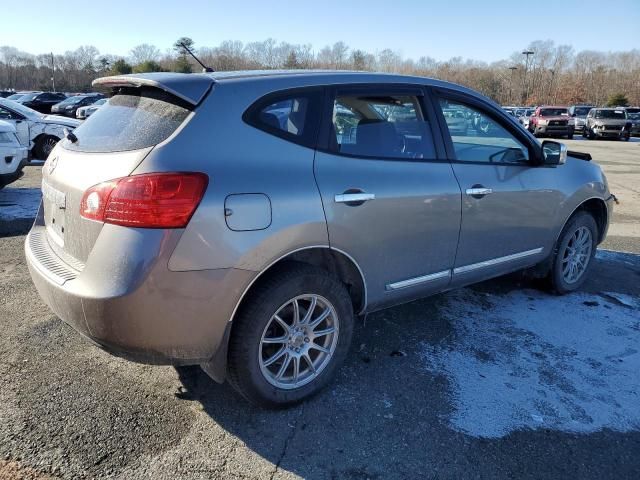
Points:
(496, 381)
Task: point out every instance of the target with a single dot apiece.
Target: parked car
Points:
(635, 123)
(184, 223)
(85, 112)
(38, 132)
(12, 155)
(41, 102)
(69, 106)
(6, 93)
(551, 121)
(579, 114)
(524, 118)
(607, 123)
(17, 96)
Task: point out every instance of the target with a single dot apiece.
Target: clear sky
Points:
(482, 30)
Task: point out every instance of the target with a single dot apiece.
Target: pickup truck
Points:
(550, 121)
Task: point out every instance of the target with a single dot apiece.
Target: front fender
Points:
(582, 182)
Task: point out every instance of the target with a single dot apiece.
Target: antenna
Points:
(205, 69)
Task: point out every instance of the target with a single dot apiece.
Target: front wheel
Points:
(290, 336)
(574, 253)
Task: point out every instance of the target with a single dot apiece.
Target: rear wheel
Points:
(574, 253)
(44, 145)
(290, 336)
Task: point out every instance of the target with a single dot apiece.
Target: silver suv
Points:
(607, 123)
(241, 220)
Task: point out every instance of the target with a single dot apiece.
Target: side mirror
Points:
(554, 153)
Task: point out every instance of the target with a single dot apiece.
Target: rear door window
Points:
(132, 119)
(381, 125)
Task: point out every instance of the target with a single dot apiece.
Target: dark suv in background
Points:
(41, 102)
(69, 106)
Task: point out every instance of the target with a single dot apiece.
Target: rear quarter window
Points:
(133, 118)
(292, 115)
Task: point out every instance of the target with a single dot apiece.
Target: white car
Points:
(36, 131)
(84, 112)
(12, 155)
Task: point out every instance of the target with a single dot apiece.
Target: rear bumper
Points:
(131, 304)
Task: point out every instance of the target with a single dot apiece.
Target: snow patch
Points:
(528, 360)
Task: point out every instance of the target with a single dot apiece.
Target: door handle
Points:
(478, 191)
(355, 198)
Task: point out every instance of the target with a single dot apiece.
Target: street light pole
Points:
(525, 85)
(513, 69)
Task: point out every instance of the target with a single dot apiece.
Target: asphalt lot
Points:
(501, 380)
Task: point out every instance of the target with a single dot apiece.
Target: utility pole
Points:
(513, 69)
(53, 73)
(525, 85)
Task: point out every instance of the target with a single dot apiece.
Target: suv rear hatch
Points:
(143, 112)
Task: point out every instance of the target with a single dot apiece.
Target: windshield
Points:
(634, 116)
(616, 114)
(132, 119)
(29, 96)
(18, 107)
(15, 96)
(582, 111)
(553, 112)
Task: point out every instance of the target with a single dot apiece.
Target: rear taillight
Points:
(154, 200)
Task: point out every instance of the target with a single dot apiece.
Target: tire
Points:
(558, 278)
(584, 133)
(44, 145)
(591, 135)
(570, 136)
(256, 322)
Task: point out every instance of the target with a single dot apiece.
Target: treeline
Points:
(552, 74)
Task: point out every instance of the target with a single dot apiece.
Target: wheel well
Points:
(598, 210)
(333, 261)
(40, 137)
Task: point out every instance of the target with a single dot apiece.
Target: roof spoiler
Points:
(191, 88)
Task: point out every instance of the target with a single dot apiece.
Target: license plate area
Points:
(55, 203)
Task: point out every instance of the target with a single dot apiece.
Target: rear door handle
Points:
(354, 199)
(478, 192)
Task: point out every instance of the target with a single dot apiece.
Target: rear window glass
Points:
(132, 119)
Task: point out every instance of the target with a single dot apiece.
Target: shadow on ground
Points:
(387, 417)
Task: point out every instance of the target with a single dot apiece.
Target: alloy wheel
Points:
(577, 255)
(299, 341)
